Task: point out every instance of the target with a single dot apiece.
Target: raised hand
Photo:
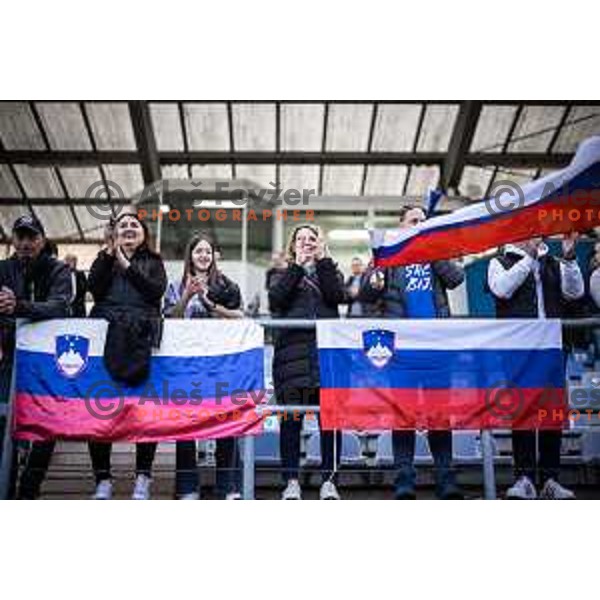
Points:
(377, 279)
(568, 245)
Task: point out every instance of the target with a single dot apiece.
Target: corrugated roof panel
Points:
(396, 127)
(207, 126)
(18, 129)
(348, 127)
(82, 181)
(64, 125)
(475, 181)
(533, 126)
(437, 127)
(8, 185)
(342, 180)
(385, 180)
(111, 125)
(127, 177)
(302, 127)
(253, 127)
(166, 123)
(57, 220)
(93, 227)
(493, 128)
(39, 182)
(582, 122)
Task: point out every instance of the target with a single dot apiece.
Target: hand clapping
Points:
(8, 301)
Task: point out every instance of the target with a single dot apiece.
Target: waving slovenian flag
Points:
(564, 201)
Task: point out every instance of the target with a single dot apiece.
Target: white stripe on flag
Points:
(201, 337)
(587, 154)
(446, 334)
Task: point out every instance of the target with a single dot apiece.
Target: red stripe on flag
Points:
(381, 409)
(112, 419)
(563, 215)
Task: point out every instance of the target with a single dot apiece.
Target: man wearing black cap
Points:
(33, 285)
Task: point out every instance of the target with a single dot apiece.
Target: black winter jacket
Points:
(43, 290)
(135, 293)
(43, 287)
(293, 294)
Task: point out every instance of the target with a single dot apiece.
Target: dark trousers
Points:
(525, 456)
(35, 470)
(440, 444)
(229, 472)
(290, 430)
(186, 468)
(100, 455)
(228, 467)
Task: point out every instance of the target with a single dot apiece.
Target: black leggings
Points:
(290, 430)
(100, 455)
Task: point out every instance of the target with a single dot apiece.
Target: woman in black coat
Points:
(127, 281)
(310, 288)
(204, 292)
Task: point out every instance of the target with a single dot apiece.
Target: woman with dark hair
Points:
(311, 287)
(127, 281)
(204, 292)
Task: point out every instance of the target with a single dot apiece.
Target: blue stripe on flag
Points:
(38, 374)
(443, 369)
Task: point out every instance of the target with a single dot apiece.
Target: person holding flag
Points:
(416, 291)
(528, 283)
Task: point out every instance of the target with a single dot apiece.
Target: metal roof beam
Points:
(68, 158)
(460, 142)
(145, 140)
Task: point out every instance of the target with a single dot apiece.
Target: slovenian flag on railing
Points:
(205, 381)
(564, 201)
(441, 374)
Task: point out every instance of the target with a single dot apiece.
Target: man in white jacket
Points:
(529, 283)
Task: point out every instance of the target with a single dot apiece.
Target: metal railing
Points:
(248, 453)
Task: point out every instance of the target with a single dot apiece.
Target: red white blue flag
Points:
(564, 201)
(441, 374)
(205, 382)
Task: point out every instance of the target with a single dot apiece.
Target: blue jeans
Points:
(440, 443)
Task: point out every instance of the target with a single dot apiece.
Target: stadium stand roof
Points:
(52, 152)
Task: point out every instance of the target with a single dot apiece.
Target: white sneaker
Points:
(141, 490)
(554, 491)
(329, 491)
(233, 496)
(292, 491)
(103, 490)
(523, 489)
(190, 496)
